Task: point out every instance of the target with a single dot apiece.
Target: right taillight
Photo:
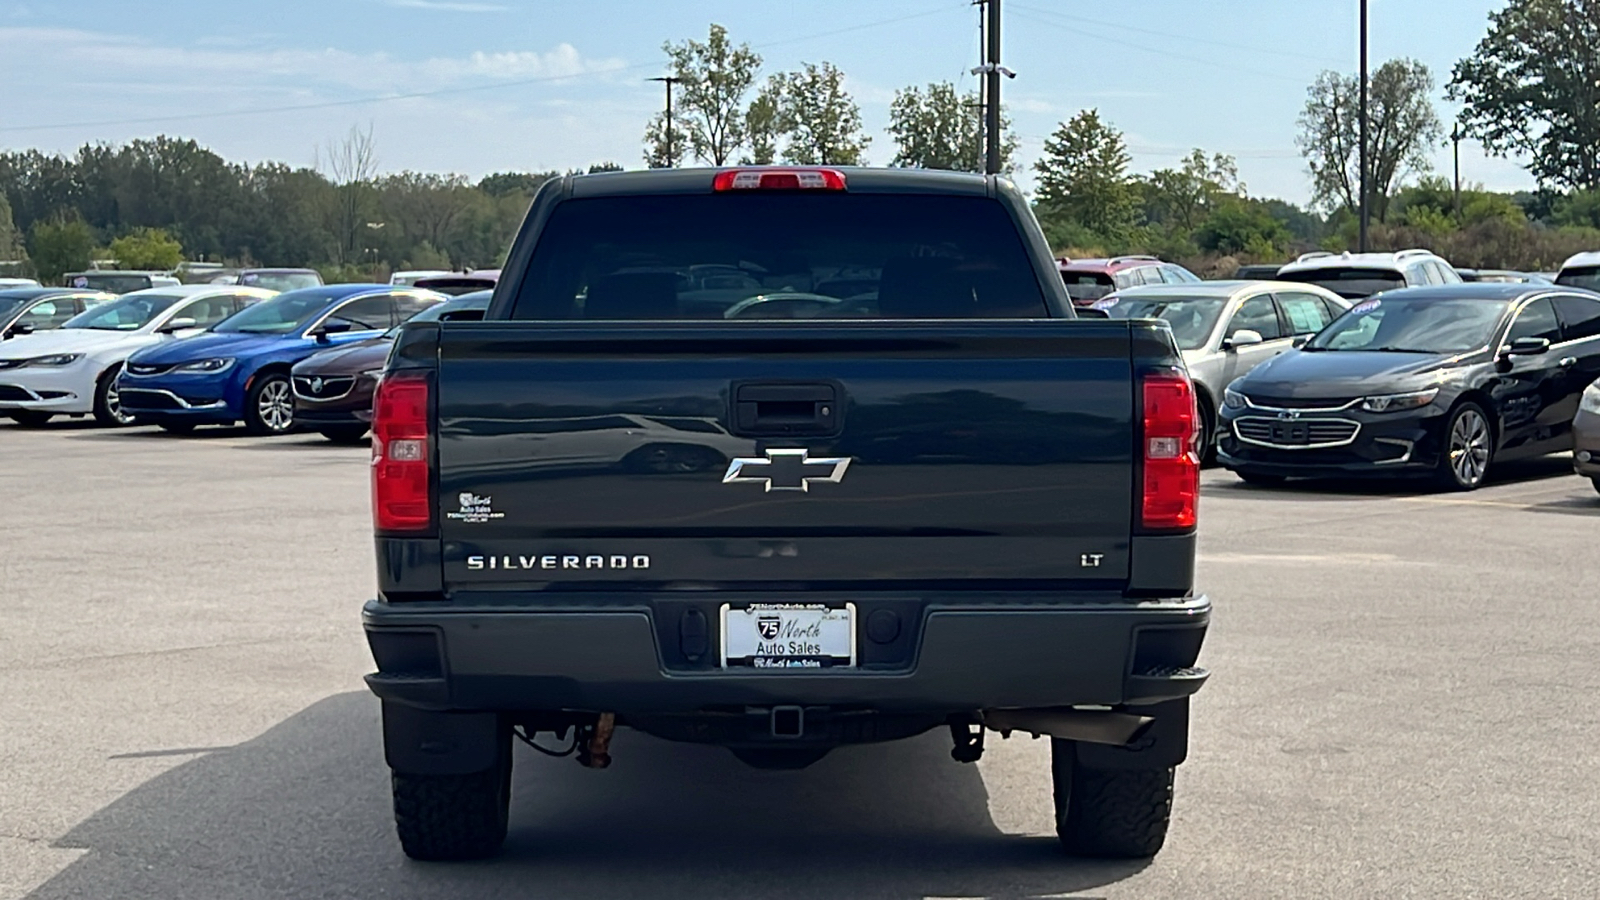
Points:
(1170, 492)
(402, 493)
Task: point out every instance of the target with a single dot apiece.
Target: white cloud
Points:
(448, 6)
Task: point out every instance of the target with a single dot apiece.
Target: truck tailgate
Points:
(787, 455)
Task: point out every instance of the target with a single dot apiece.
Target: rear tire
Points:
(344, 434)
(1208, 433)
(108, 403)
(269, 406)
(1596, 482)
(1111, 814)
(1259, 480)
(446, 818)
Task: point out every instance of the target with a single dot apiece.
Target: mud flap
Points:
(1164, 743)
(422, 742)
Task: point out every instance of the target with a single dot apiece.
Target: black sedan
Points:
(1441, 381)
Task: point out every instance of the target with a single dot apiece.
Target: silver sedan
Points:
(1227, 328)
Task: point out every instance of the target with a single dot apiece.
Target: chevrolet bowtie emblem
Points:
(786, 470)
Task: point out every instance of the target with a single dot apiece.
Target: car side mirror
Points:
(1244, 337)
(1300, 340)
(19, 329)
(178, 324)
(1528, 346)
(1086, 312)
(327, 328)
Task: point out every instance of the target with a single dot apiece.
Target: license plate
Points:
(789, 636)
(1291, 434)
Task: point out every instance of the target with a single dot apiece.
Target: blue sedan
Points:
(240, 369)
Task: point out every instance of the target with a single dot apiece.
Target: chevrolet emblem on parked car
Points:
(787, 470)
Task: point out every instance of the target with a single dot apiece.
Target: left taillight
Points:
(1170, 489)
(402, 476)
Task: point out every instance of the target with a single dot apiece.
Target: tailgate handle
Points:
(785, 408)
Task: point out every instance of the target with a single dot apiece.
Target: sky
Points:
(479, 86)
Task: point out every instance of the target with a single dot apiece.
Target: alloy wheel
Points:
(1469, 447)
(275, 406)
(114, 404)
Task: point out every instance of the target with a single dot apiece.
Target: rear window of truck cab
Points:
(780, 255)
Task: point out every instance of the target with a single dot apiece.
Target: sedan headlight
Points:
(206, 366)
(57, 359)
(1398, 402)
(1232, 399)
(1591, 399)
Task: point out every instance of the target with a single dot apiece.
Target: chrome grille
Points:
(147, 369)
(134, 398)
(316, 387)
(1288, 433)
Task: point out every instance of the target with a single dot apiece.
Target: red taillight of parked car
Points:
(1170, 490)
(402, 477)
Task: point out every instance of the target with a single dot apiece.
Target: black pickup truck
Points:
(782, 460)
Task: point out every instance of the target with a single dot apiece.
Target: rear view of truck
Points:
(782, 460)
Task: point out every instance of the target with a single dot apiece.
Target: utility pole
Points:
(669, 81)
(991, 70)
(983, 83)
(1366, 168)
(1455, 139)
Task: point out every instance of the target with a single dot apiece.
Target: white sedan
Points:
(73, 369)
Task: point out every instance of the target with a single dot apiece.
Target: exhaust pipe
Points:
(1089, 726)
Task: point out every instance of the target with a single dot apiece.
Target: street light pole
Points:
(1366, 192)
(1455, 139)
(669, 81)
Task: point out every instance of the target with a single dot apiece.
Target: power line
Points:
(441, 92)
(1166, 54)
(1188, 39)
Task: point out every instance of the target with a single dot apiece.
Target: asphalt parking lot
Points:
(1402, 706)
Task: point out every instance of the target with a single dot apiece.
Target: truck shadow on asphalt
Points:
(303, 811)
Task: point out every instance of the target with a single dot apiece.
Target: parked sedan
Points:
(30, 309)
(333, 388)
(1586, 436)
(1227, 328)
(1442, 381)
(72, 370)
(240, 370)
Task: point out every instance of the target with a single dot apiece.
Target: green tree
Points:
(714, 78)
(1402, 128)
(607, 166)
(1532, 87)
(820, 121)
(763, 126)
(62, 246)
(10, 238)
(351, 164)
(938, 128)
(1241, 226)
(1083, 178)
(1181, 198)
(664, 150)
(147, 248)
(502, 184)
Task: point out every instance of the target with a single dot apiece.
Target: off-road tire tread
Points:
(1117, 814)
(451, 817)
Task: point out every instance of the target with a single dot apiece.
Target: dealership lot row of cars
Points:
(1346, 365)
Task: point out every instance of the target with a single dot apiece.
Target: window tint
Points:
(49, 314)
(1580, 276)
(367, 314)
(207, 312)
(891, 256)
(1538, 320)
(1306, 312)
(1580, 317)
(408, 305)
(1350, 284)
(1258, 315)
(1085, 286)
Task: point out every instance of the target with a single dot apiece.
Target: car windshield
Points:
(1413, 325)
(281, 281)
(1580, 276)
(780, 255)
(129, 313)
(1084, 286)
(1192, 318)
(114, 284)
(1349, 283)
(283, 314)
